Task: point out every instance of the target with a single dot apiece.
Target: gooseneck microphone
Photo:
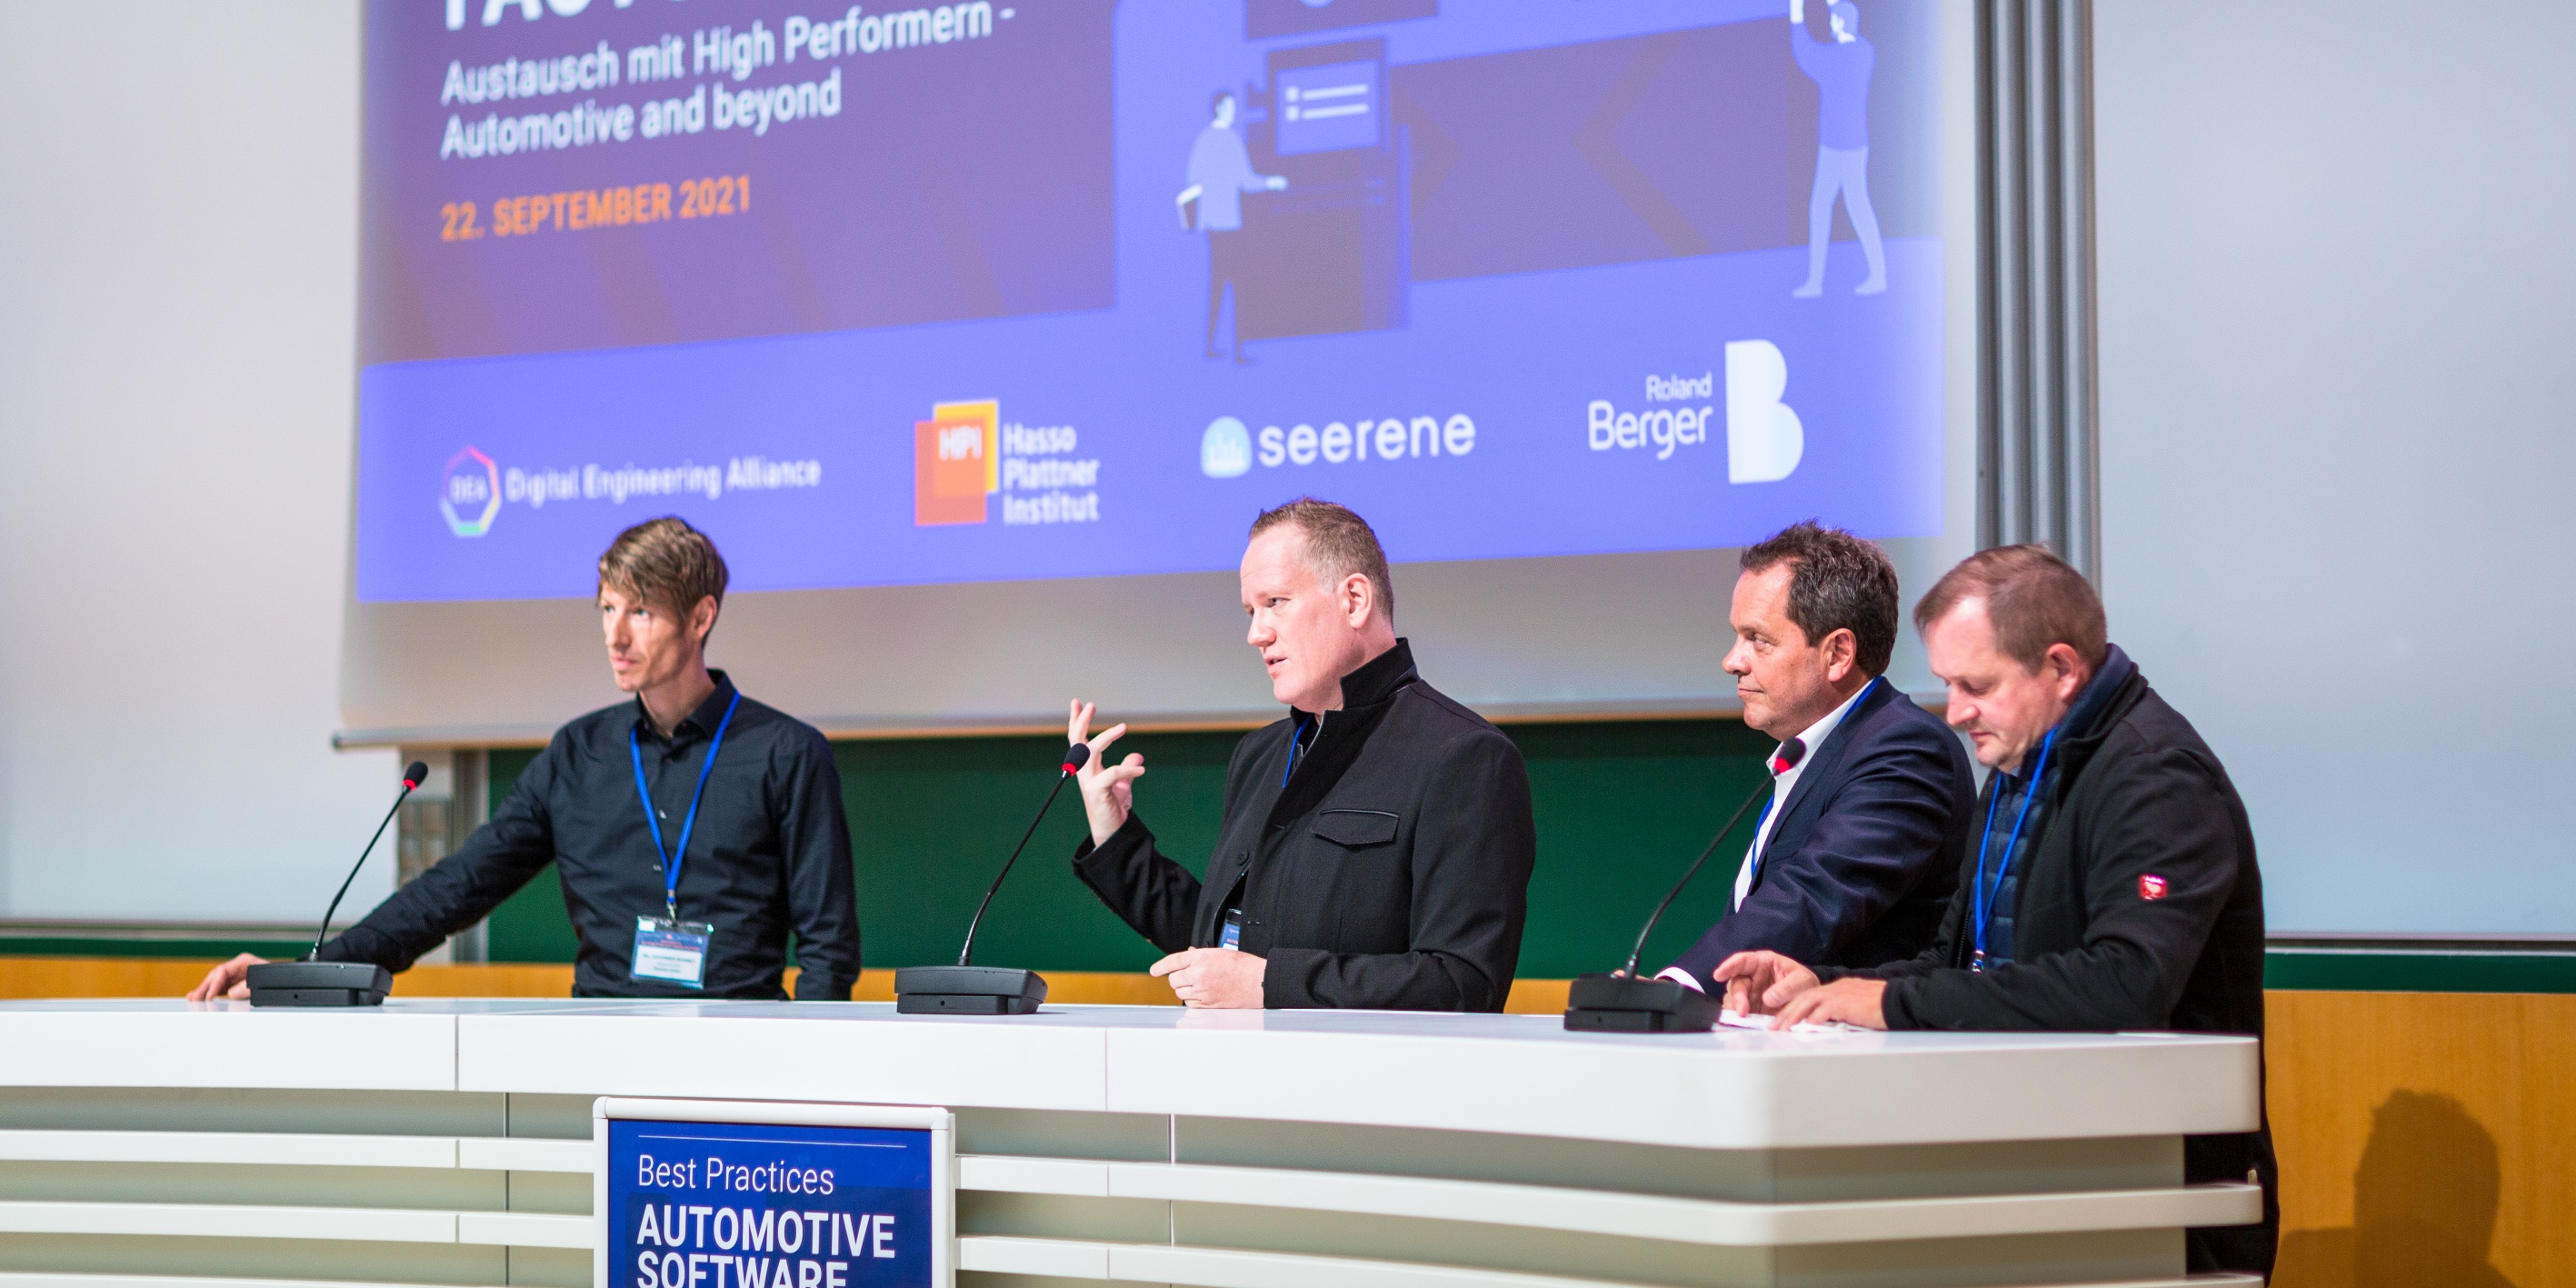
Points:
(968, 989)
(414, 774)
(310, 982)
(1075, 757)
(1782, 761)
(1623, 1003)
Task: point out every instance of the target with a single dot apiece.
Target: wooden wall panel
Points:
(2425, 1139)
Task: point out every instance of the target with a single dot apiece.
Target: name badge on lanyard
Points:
(674, 952)
(667, 948)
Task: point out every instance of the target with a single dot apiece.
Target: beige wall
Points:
(177, 315)
(2336, 290)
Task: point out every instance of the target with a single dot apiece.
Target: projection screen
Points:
(976, 334)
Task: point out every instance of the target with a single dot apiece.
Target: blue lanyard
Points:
(1755, 861)
(644, 792)
(1294, 748)
(1980, 895)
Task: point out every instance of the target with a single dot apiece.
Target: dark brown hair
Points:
(1338, 543)
(1836, 582)
(667, 564)
(2033, 598)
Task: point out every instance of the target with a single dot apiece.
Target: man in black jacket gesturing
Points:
(2113, 885)
(1377, 843)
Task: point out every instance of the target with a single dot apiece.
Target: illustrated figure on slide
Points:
(1220, 173)
(1841, 69)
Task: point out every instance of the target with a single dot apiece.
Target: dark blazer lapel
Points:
(1824, 765)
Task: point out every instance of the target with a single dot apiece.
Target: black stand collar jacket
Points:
(2141, 908)
(1389, 870)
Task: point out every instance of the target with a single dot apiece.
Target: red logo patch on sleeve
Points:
(2151, 887)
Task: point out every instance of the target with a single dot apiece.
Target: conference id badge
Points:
(674, 952)
(1232, 935)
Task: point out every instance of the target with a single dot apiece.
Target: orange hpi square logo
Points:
(956, 462)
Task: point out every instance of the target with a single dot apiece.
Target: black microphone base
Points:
(967, 990)
(1603, 1003)
(319, 984)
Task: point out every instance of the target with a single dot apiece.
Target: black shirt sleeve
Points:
(1151, 893)
(814, 835)
(463, 888)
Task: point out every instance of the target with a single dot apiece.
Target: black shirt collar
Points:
(701, 721)
(1376, 680)
(1368, 693)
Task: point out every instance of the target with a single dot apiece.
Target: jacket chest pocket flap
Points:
(1356, 828)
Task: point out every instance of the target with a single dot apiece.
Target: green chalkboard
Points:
(1622, 807)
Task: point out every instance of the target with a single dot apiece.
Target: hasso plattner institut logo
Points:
(470, 494)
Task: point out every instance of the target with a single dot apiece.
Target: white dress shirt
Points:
(1781, 785)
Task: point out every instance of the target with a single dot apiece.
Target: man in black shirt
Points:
(748, 799)
(1377, 843)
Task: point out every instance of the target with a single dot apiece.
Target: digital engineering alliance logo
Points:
(472, 486)
(964, 455)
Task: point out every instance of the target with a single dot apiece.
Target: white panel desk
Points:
(160, 1145)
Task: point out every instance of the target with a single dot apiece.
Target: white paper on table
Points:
(1740, 1020)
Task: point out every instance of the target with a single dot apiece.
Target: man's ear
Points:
(702, 619)
(1842, 654)
(1359, 598)
(2066, 670)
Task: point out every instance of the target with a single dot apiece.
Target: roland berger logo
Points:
(965, 455)
(470, 494)
(1764, 437)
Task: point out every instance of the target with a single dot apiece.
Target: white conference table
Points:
(151, 1144)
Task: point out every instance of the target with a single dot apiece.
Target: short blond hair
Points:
(665, 563)
(1338, 543)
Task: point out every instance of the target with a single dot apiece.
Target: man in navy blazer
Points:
(1859, 849)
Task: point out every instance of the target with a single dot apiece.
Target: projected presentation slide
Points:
(1074, 288)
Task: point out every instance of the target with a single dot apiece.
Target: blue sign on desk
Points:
(701, 1202)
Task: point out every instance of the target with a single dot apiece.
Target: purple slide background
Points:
(913, 204)
(1545, 275)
